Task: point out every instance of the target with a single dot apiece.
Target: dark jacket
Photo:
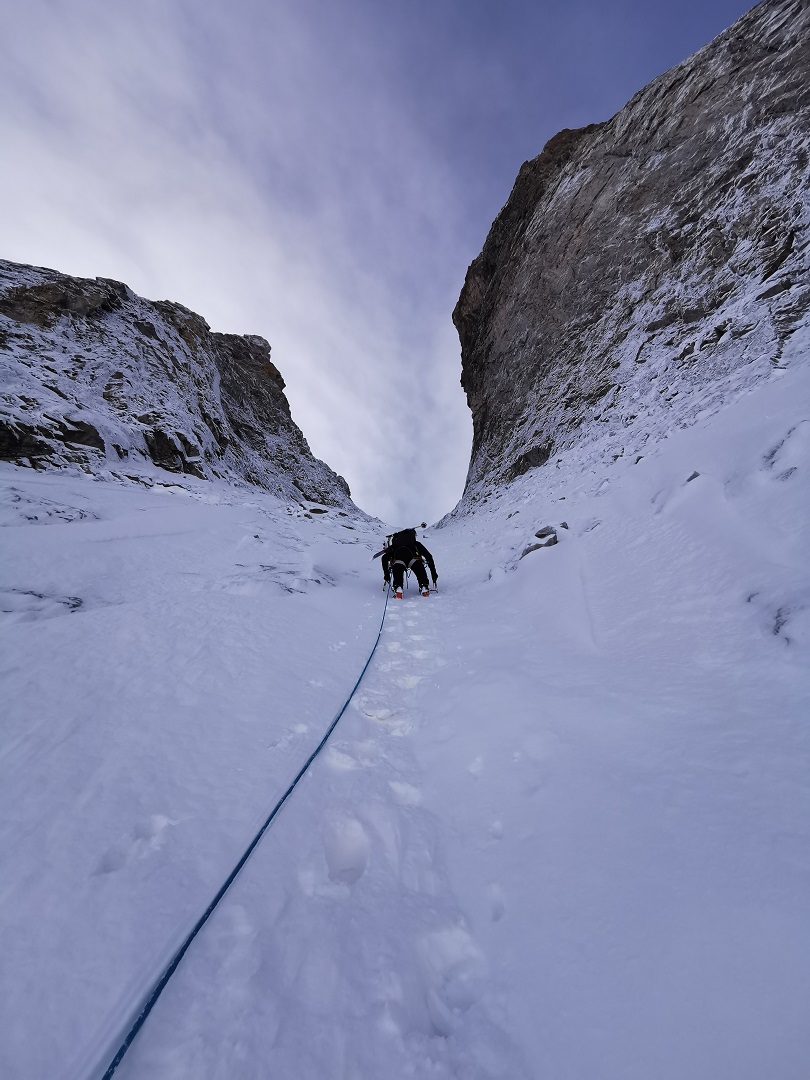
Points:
(406, 553)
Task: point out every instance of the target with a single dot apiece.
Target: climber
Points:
(404, 552)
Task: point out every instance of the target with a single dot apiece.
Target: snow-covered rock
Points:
(96, 377)
(652, 264)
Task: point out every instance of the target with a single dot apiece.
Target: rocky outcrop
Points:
(642, 262)
(546, 537)
(97, 377)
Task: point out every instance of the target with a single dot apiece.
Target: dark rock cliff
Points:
(96, 377)
(641, 261)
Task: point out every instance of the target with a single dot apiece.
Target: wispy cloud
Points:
(221, 159)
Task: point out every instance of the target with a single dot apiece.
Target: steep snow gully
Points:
(154, 995)
(561, 831)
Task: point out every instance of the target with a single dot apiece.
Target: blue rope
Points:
(157, 989)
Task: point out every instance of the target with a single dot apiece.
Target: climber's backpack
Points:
(405, 538)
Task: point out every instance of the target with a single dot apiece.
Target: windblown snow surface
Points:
(562, 830)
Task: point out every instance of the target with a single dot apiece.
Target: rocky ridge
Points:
(655, 263)
(98, 378)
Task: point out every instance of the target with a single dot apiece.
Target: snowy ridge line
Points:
(170, 969)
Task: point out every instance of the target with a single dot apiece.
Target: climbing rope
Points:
(157, 989)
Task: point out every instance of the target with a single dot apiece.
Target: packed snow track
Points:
(560, 832)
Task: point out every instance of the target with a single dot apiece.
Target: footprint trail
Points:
(345, 946)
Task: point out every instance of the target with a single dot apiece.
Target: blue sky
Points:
(318, 173)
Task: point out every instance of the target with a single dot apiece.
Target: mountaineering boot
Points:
(398, 593)
(426, 591)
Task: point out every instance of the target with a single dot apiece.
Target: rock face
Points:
(95, 376)
(646, 263)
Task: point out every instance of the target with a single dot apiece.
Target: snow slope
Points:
(561, 832)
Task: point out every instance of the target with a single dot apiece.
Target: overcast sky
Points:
(320, 172)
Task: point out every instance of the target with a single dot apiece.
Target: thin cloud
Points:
(231, 188)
